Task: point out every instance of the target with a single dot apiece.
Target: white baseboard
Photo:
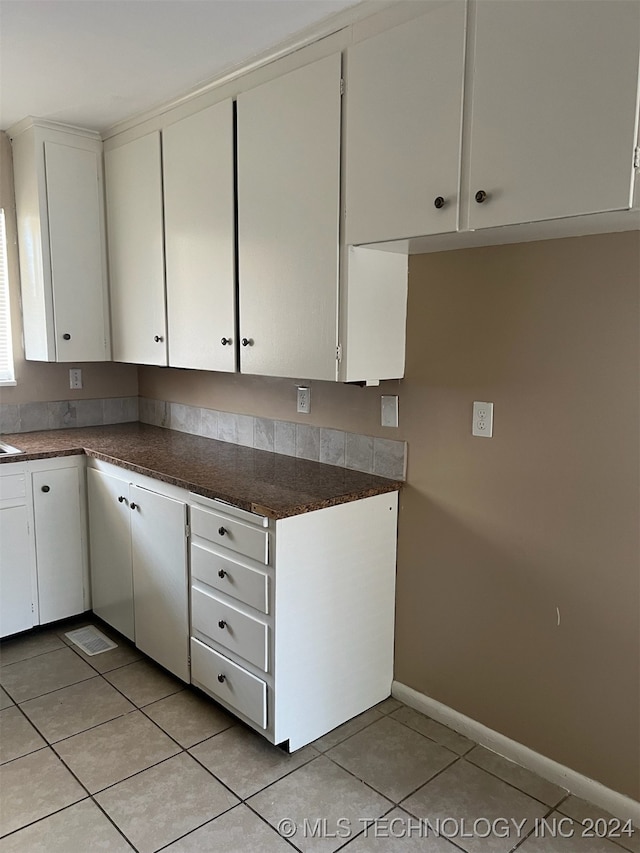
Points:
(611, 801)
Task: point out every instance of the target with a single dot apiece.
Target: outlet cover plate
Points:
(304, 399)
(482, 424)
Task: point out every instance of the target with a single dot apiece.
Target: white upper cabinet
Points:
(60, 213)
(198, 167)
(136, 258)
(288, 222)
(403, 127)
(552, 109)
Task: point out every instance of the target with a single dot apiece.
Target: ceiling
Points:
(93, 63)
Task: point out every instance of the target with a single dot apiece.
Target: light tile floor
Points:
(110, 753)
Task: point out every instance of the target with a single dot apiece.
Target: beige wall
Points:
(496, 534)
(38, 381)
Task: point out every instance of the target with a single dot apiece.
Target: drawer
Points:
(229, 682)
(241, 634)
(227, 575)
(13, 486)
(230, 533)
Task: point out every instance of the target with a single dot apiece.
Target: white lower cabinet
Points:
(110, 537)
(139, 562)
(18, 583)
(43, 544)
(294, 636)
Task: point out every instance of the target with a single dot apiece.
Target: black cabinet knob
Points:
(221, 531)
(226, 341)
(134, 506)
(439, 202)
(121, 499)
(221, 678)
(222, 573)
(222, 624)
(247, 342)
(66, 336)
(481, 196)
(158, 338)
(46, 488)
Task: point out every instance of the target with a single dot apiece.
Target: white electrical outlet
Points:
(304, 399)
(482, 424)
(389, 410)
(75, 378)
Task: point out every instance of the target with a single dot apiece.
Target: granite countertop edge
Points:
(326, 485)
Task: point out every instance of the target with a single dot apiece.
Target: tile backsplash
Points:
(372, 455)
(29, 417)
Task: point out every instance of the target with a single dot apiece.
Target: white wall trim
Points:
(611, 801)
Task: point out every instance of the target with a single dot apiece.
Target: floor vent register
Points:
(90, 640)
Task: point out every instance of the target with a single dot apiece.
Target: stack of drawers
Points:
(232, 608)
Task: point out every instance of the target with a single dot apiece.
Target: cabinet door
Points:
(16, 567)
(110, 551)
(552, 109)
(133, 179)
(59, 543)
(76, 238)
(160, 578)
(197, 159)
(288, 206)
(403, 125)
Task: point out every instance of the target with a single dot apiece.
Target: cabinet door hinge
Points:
(342, 85)
(339, 353)
(636, 157)
(187, 531)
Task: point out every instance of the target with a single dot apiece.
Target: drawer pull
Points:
(222, 624)
(222, 573)
(46, 488)
(221, 531)
(221, 678)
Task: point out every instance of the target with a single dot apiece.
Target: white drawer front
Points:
(229, 682)
(13, 486)
(229, 533)
(242, 582)
(241, 634)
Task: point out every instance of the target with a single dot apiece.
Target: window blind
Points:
(6, 349)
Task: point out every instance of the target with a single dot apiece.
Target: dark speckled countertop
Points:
(266, 483)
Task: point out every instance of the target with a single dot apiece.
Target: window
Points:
(7, 376)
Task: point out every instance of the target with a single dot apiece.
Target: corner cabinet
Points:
(61, 237)
(288, 222)
(138, 533)
(43, 544)
(292, 620)
(133, 179)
